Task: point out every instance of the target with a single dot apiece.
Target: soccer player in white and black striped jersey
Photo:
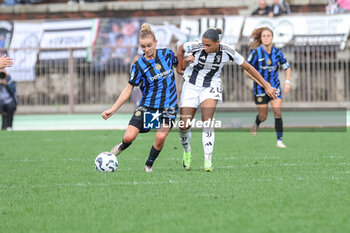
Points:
(202, 87)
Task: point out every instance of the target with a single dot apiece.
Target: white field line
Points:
(124, 157)
(243, 162)
(234, 179)
(49, 128)
(3, 186)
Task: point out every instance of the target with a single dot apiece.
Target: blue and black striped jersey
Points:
(267, 65)
(156, 79)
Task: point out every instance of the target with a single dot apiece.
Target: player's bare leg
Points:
(158, 145)
(129, 136)
(261, 117)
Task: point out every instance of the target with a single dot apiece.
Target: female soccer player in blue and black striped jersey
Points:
(202, 87)
(154, 73)
(266, 59)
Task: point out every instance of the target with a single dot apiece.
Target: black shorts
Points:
(142, 117)
(263, 98)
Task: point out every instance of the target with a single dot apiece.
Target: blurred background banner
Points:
(24, 49)
(64, 34)
(231, 26)
(167, 34)
(302, 30)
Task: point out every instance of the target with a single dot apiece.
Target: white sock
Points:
(208, 137)
(185, 139)
(207, 157)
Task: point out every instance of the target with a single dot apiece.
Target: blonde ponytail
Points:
(146, 31)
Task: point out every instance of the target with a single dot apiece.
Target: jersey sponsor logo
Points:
(157, 76)
(269, 68)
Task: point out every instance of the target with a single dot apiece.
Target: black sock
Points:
(124, 145)
(153, 154)
(279, 128)
(257, 121)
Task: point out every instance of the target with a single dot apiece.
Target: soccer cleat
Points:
(254, 129)
(280, 144)
(148, 168)
(115, 150)
(187, 160)
(208, 166)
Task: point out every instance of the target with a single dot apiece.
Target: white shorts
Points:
(192, 95)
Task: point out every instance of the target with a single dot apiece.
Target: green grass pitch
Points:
(48, 183)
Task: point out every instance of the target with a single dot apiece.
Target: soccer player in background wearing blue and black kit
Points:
(266, 59)
(154, 73)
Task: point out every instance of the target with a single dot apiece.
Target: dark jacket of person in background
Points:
(279, 8)
(263, 8)
(8, 100)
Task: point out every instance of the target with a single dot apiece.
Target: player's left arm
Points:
(287, 80)
(285, 65)
(252, 60)
(239, 60)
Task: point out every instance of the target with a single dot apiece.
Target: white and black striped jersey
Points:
(206, 69)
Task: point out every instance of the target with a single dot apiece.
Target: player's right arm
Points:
(189, 48)
(135, 79)
(124, 96)
(180, 59)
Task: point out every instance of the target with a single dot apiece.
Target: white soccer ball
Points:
(106, 162)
